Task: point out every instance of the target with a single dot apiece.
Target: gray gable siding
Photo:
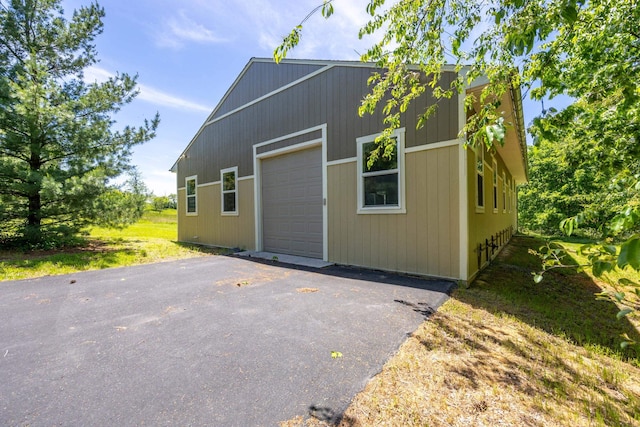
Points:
(260, 79)
(330, 97)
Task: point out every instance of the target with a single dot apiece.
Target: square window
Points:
(381, 181)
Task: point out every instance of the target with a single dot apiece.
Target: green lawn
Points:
(152, 239)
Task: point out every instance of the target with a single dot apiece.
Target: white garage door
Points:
(292, 203)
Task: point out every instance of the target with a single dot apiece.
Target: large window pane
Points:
(229, 202)
(191, 187)
(381, 190)
(480, 190)
(382, 163)
(191, 204)
(229, 181)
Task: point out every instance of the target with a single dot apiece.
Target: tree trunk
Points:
(33, 232)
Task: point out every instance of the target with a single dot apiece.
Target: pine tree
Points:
(59, 151)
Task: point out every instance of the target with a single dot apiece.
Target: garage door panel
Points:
(292, 203)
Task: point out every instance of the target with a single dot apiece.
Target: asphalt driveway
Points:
(206, 341)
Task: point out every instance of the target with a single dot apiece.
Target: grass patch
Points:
(152, 239)
(507, 351)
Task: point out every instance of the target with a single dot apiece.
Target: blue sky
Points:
(187, 53)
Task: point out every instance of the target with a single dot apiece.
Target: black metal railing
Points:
(487, 249)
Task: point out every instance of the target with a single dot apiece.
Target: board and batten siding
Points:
(484, 224)
(260, 79)
(212, 228)
(332, 97)
(424, 241)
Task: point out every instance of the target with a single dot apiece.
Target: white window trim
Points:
(479, 151)
(495, 196)
(223, 192)
(400, 209)
(186, 195)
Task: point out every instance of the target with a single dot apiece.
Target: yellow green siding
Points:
(425, 240)
(212, 228)
(483, 225)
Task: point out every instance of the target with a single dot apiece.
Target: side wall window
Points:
(504, 192)
(229, 186)
(381, 184)
(495, 185)
(510, 192)
(191, 190)
(480, 178)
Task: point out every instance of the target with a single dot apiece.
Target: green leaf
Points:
(618, 223)
(537, 278)
(570, 13)
(566, 225)
(455, 45)
(630, 253)
(626, 282)
(327, 8)
(496, 131)
(622, 313)
(599, 267)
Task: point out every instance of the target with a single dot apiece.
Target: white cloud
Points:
(179, 30)
(333, 38)
(161, 182)
(95, 74)
(155, 96)
(148, 93)
(260, 25)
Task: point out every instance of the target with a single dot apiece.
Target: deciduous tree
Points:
(589, 50)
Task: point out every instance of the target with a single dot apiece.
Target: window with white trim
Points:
(495, 186)
(504, 192)
(479, 178)
(381, 183)
(229, 191)
(509, 197)
(191, 194)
